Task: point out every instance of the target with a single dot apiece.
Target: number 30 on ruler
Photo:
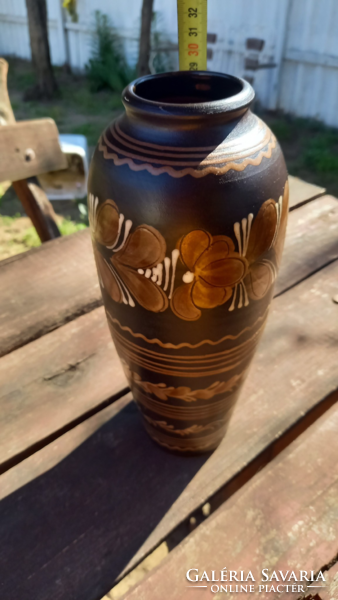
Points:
(192, 34)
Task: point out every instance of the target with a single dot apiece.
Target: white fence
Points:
(297, 65)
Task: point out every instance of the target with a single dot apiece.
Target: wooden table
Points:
(86, 495)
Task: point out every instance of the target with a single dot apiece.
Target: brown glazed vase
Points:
(188, 203)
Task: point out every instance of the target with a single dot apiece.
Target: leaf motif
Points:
(107, 277)
(161, 391)
(107, 223)
(259, 280)
(279, 244)
(146, 292)
(262, 231)
(144, 248)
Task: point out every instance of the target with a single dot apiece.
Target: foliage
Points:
(108, 67)
(70, 6)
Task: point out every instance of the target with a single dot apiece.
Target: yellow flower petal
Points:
(208, 296)
(193, 245)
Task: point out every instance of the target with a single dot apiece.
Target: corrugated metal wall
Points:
(309, 77)
(298, 64)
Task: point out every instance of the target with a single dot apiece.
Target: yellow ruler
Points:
(192, 34)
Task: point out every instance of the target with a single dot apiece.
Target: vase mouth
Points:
(188, 93)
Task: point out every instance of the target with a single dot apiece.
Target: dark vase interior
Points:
(189, 88)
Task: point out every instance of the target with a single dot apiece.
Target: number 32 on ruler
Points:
(192, 34)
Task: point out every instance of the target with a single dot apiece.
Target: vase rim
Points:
(188, 94)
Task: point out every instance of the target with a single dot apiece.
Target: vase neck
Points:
(186, 103)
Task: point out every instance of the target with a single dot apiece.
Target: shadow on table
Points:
(70, 532)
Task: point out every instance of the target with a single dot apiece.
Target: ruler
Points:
(192, 34)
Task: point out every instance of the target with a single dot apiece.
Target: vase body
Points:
(188, 203)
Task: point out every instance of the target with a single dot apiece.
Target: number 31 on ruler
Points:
(192, 34)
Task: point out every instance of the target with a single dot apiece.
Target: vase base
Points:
(188, 447)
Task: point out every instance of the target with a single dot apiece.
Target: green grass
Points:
(90, 103)
(32, 240)
(322, 153)
(67, 227)
(7, 221)
(29, 236)
(75, 109)
(310, 149)
(282, 130)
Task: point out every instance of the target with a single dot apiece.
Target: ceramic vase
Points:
(188, 203)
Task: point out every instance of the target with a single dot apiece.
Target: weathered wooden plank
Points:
(44, 288)
(72, 527)
(42, 461)
(302, 191)
(329, 589)
(311, 241)
(135, 493)
(285, 519)
(28, 148)
(331, 577)
(49, 384)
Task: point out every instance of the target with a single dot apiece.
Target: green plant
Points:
(108, 67)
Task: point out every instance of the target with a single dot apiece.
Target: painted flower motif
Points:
(106, 222)
(134, 266)
(216, 271)
(267, 233)
(214, 268)
(122, 275)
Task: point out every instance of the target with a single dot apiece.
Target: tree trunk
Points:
(38, 34)
(144, 52)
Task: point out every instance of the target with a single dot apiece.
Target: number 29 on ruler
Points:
(192, 34)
